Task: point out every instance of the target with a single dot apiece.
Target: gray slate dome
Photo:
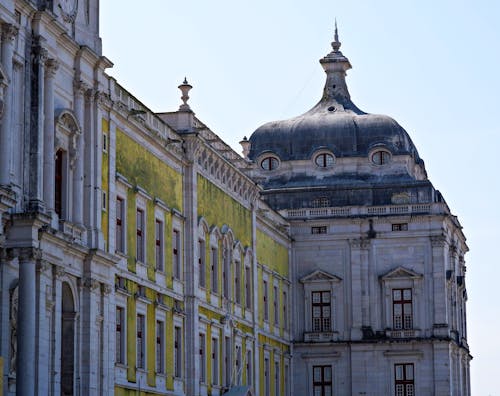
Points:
(335, 123)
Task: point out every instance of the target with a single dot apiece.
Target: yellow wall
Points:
(272, 254)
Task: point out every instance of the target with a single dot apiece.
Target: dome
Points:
(335, 124)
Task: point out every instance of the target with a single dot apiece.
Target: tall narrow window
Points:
(237, 282)
(404, 379)
(286, 379)
(402, 315)
(249, 367)
(140, 235)
(120, 234)
(177, 352)
(227, 361)
(225, 274)
(321, 311)
(120, 335)
(322, 380)
(248, 288)
(159, 244)
(202, 359)
(276, 378)
(201, 263)
(266, 302)
(215, 361)
(214, 272)
(160, 347)
(141, 342)
(176, 261)
(276, 306)
(237, 366)
(267, 379)
(285, 310)
(58, 184)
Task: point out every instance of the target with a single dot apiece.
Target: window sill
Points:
(410, 333)
(325, 336)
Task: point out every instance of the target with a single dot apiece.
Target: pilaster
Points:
(439, 247)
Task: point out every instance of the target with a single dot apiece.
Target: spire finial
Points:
(336, 43)
(185, 87)
(336, 37)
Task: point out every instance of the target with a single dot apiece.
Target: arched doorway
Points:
(67, 341)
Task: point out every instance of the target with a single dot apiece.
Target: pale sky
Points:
(434, 66)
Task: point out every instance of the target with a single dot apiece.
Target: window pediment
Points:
(400, 273)
(320, 276)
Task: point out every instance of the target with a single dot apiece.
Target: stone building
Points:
(139, 253)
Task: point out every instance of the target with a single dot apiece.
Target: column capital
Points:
(51, 66)
(58, 271)
(25, 253)
(40, 54)
(43, 265)
(80, 87)
(106, 289)
(9, 31)
(438, 240)
(90, 283)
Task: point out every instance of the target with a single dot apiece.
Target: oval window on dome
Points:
(381, 157)
(324, 160)
(269, 163)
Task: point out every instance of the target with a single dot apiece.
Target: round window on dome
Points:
(324, 160)
(381, 157)
(269, 163)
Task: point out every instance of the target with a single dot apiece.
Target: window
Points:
(237, 282)
(402, 315)
(141, 342)
(249, 367)
(285, 311)
(381, 157)
(237, 365)
(319, 230)
(214, 273)
(215, 361)
(225, 274)
(105, 142)
(322, 380)
(404, 379)
(276, 306)
(227, 361)
(120, 335)
(176, 260)
(140, 235)
(267, 380)
(324, 160)
(400, 227)
(269, 163)
(201, 263)
(286, 379)
(159, 244)
(58, 184)
(276, 378)
(202, 359)
(177, 352)
(265, 297)
(120, 231)
(248, 288)
(104, 201)
(321, 315)
(321, 202)
(160, 347)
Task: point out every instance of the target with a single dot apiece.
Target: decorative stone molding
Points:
(360, 243)
(43, 266)
(25, 254)
(51, 67)
(59, 271)
(438, 241)
(80, 87)
(9, 31)
(91, 283)
(106, 289)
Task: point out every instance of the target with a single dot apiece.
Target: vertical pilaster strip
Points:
(89, 177)
(440, 308)
(356, 263)
(79, 88)
(9, 32)
(51, 66)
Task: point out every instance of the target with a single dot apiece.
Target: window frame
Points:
(269, 163)
(325, 323)
(323, 156)
(385, 157)
(176, 254)
(120, 224)
(202, 263)
(402, 302)
(160, 347)
(140, 234)
(140, 341)
(404, 382)
(120, 342)
(159, 245)
(323, 380)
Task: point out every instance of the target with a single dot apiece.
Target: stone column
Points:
(80, 89)
(90, 165)
(441, 304)
(26, 342)
(9, 32)
(51, 66)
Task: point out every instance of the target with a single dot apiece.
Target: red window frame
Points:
(321, 311)
(402, 309)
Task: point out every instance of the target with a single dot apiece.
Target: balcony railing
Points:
(325, 336)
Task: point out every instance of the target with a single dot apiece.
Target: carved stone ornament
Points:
(91, 283)
(359, 243)
(68, 10)
(106, 289)
(9, 31)
(438, 241)
(51, 67)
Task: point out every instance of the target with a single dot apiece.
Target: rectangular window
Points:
(215, 361)
(202, 359)
(177, 352)
(237, 282)
(400, 227)
(58, 184)
(214, 272)
(248, 288)
(105, 142)
(227, 361)
(160, 347)
(404, 379)
(286, 379)
(402, 315)
(321, 311)
(322, 380)
(285, 311)
(225, 274)
(201, 263)
(276, 306)
(276, 378)
(141, 342)
(104, 201)
(176, 260)
(267, 379)
(159, 244)
(266, 306)
(120, 230)
(249, 368)
(120, 335)
(319, 230)
(140, 235)
(237, 365)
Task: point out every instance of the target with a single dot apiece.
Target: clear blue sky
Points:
(434, 66)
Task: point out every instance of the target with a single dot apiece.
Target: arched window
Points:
(381, 157)
(324, 160)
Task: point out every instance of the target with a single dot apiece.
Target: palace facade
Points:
(140, 254)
